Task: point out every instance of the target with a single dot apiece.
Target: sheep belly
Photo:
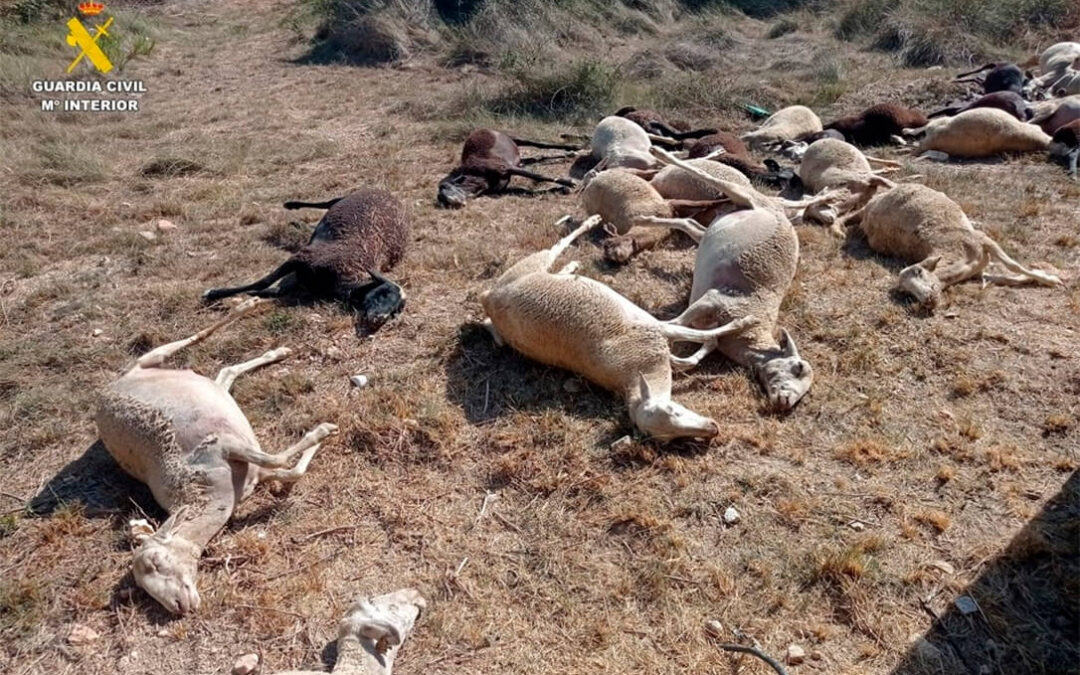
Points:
(578, 324)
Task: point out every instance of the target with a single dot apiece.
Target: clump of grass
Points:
(580, 90)
(782, 27)
(931, 32)
(865, 451)
(170, 167)
(938, 521)
(1057, 423)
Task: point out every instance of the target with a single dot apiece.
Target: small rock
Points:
(943, 566)
(359, 381)
(148, 235)
(714, 628)
(731, 515)
(622, 443)
(246, 664)
(81, 635)
(857, 526)
(332, 353)
(816, 655)
(572, 386)
(795, 655)
(164, 632)
(97, 332)
(924, 650)
(966, 604)
(165, 225)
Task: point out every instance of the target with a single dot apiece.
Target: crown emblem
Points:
(91, 8)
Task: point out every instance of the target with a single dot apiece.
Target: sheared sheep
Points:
(830, 163)
(787, 124)
(982, 132)
(577, 323)
(1009, 101)
(1053, 114)
(654, 123)
(1002, 77)
(183, 435)
(745, 263)
(489, 160)
(616, 143)
(372, 632)
(621, 198)
(878, 124)
(360, 235)
(1065, 146)
(1058, 66)
(923, 226)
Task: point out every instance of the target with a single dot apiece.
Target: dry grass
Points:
(941, 435)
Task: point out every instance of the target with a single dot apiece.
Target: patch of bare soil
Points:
(935, 456)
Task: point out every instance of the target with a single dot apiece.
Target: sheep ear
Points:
(788, 344)
(643, 385)
(930, 264)
(771, 164)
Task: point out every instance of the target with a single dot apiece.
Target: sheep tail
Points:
(312, 205)
(1038, 276)
(545, 146)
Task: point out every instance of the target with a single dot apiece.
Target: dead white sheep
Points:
(786, 124)
(923, 226)
(982, 132)
(579, 324)
(745, 263)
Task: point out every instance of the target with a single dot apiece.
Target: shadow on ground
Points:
(1028, 617)
(95, 481)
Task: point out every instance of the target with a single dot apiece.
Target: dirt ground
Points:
(934, 457)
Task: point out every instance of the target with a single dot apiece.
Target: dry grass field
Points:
(935, 456)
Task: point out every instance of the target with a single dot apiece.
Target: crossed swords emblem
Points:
(87, 44)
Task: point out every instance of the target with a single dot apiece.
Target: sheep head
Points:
(920, 282)
(665, 420)
(785, 376)
(460, 185)
(165, 566)
(375, 302)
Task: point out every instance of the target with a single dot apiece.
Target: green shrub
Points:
(581, 89)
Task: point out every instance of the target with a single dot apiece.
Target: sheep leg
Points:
(736, 193)
(705, 309)
(290, 475)
(883, 162)
(545, 146)
(690, 226)
(528, 161)
(1038, 276)
(555, 251)
(692, 361)
(156, 356)
(227, 375)
(664, 141)
(988, 66)
(677, 333)
(239, 452)
(285, 269)
(539, 178)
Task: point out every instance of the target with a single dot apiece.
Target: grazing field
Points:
(936, 456)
